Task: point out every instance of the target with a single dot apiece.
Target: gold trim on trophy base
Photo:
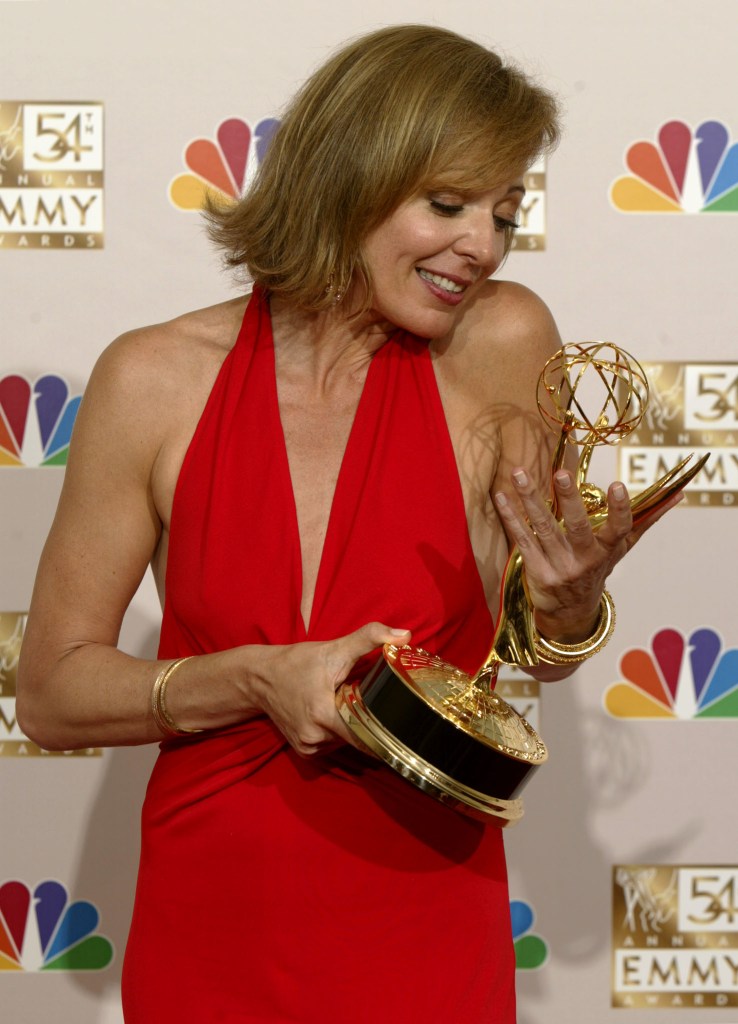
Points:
(372, 734)
(456, 741)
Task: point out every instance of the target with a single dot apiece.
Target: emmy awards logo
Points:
(645, 906)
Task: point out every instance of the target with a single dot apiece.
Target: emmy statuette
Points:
(449, 733)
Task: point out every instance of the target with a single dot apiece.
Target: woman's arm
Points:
(567, 562)
(75, 689)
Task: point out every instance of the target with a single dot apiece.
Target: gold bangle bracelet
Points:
(162, 717)
(555, 653)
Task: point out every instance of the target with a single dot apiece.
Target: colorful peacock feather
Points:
(678, 678)
(684, 171)
(222, 166)
(43, 931)
(36, 420)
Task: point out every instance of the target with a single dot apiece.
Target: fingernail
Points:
(619, 491)
(399, 632)
(500, 499)
(520, 477)
(563, 480)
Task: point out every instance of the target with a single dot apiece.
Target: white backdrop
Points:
(617, 790)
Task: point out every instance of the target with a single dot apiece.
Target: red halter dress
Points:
(329, 890)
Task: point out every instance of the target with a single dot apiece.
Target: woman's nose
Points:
(481, 242)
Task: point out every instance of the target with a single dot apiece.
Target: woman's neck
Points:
(325, 343)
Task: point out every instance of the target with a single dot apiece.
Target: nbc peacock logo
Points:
(224, 165)
(43, 931)
(684, 171)
(36, 420)
(680, 678)
(531, 952)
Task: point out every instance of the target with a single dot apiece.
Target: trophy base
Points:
(428, 721)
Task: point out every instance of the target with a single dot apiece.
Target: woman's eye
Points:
(446, 209)
(502, 224)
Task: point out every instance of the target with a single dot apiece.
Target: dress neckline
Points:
(342, 483)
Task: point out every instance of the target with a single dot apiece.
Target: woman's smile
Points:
(448, 290)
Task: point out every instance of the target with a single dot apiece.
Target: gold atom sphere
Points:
(615, 388)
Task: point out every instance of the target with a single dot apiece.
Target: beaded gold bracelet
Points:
(555, 653)
(158, 704)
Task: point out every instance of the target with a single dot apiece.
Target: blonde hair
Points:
(391, 113)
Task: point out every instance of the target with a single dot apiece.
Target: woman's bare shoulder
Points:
(150, 383)
(166, 354)
(501, 343)
(148, 388)
(513, 321)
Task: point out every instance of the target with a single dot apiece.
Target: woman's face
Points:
(429, 257)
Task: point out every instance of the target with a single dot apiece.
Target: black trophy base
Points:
(427, 721)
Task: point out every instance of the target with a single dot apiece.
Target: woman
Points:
(339, 460)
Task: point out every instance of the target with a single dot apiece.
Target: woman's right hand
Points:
(295, 685)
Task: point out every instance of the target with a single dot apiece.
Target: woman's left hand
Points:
(567, 562)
